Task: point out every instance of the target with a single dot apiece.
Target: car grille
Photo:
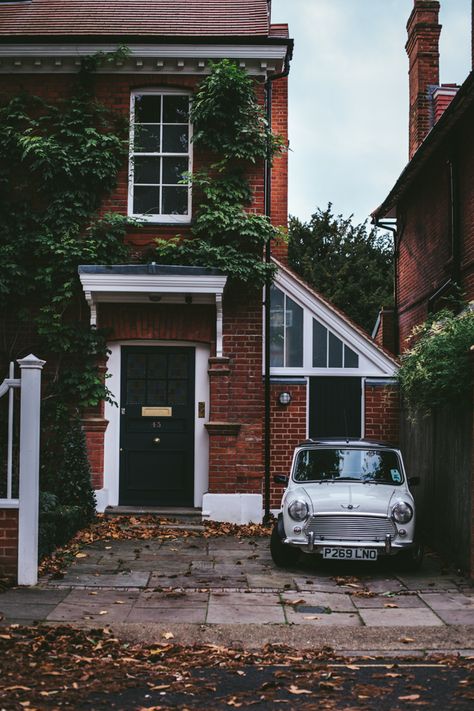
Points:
(350, 528)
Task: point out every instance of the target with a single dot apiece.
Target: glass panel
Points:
(146, 170)
(175, 201)
(175, 109)
(136, 365)
(173, 169)
(135, 392)
(146, 201)
(335, 351)
(351, 359)
(147, 139)
(147, 109)
(348, 465)
(175, 139)
(276, 327)
(156, 392)
(177, 392)
(294, 334)
(178, 366)
(320, 344)
(157, 366)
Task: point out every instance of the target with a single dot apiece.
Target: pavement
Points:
(225, 590)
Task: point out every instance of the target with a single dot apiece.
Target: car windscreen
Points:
(359, 465)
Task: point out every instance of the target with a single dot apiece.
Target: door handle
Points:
(156, 440)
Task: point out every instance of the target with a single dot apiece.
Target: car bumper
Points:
(388, 546)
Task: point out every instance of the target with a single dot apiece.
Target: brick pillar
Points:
(94, 425)
(382, 411)
(9, 541)
(423, 53)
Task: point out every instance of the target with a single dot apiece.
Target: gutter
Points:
(268, 255)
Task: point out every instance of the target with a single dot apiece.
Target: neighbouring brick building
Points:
(431, 209)
(186, 360)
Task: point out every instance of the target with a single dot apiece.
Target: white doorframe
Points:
(109, 495)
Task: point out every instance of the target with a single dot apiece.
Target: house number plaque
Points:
(157, 411)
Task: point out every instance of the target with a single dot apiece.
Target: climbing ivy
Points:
(228, 123)
(57, 162)
(437, 369)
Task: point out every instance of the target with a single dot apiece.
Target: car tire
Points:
(411, 560)
(282, 554)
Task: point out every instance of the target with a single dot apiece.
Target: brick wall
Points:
(288, 429)
(8, 541)
(425, 258)
(382, 412)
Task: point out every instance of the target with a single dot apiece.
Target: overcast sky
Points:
(349, 96)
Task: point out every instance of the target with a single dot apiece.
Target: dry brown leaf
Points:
(81, 555)
(295, 690)
(390, 604)
(406, 640)
(300, 601)
(311, 617)
(103, 612)
(410, 697)
(168, 635)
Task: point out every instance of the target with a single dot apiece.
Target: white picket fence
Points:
(27, 502)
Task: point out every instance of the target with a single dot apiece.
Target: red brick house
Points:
(431, 210)
(186, 358)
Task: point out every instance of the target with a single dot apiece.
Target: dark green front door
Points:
(157, 427)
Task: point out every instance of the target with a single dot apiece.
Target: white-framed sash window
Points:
(160, 156)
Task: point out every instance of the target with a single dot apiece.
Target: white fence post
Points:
(28, 517)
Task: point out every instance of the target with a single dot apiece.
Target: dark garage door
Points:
(335, 407)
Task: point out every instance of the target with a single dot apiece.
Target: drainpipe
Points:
(268, 197)
(396, 242)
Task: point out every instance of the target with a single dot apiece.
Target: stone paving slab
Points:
(335, 602)
(333, 619)
(449, 601)
(386, 601)
(243, 614)
(120, 580)
(196, 615)
(406, 617)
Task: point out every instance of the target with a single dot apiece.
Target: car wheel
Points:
(412, 559)
(283, 555)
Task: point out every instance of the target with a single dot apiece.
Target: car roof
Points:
(348, 442)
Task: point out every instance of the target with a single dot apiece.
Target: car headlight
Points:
(402, 512)
(298, 510)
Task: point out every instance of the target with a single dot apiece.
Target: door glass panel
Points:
(156, 392)
(177, 392)
(178, 366)
(136, 390)
(157, 366)
(335, 351)
(320, 345)
(136, 365)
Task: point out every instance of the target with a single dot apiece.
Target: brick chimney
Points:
(423, 53)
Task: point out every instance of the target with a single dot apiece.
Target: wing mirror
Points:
(281, 479)
(414, 480)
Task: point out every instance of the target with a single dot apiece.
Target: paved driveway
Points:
(227, 582)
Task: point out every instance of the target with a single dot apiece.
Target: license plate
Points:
(350, 553)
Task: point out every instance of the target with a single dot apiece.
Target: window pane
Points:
(135, 392)
(146, 201)
(136, 365)
(146, 170)
(175, 139)
(177, 392)
(178, 366)
(175, 109)
(156, 392)
(276, 327)
(147, 109)
(175, 201)
(157, 366)
(335, 351)
(294, 334)
(173, 169)
(320, 345)
(147, 139)
(351, 359)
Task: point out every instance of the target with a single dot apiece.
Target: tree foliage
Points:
(437, 369)
(349, 264)
(229, 123)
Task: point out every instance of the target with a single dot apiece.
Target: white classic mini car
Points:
(346, 500)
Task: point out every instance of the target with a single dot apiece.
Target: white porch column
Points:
(28, 518)
(219, 325)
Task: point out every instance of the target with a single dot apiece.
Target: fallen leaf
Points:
(406, 640)
(300, 601)
(168, 635)
(103, 612)
(390, 604)
(310, 617)
(295, 690)
(119, 602)
(411, 697)
(81, 555)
